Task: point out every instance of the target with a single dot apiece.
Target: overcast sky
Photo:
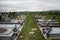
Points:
(29, 5)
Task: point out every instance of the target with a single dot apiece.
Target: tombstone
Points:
(53, 17)
(21, 23)
(47, 35)
(0, 18)
(49, 29)
(43, 30)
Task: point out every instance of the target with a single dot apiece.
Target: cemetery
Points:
(29, 26)
(10, 30)
(49, 28)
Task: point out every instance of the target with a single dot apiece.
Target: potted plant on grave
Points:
(15, 32)
(15, 29)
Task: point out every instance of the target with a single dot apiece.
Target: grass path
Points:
(30, 31)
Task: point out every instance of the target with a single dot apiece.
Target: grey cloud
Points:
(29, 5)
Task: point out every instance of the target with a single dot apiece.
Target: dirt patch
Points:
(33, 29)
(21, 36)
(31, 32)
(26, 38)
(34, 36)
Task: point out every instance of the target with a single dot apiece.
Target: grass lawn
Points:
(31, 30)
(50, 16)
(58, 17)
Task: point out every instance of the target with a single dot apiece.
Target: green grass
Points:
(58, 17)
(29, 25)
(48, 17)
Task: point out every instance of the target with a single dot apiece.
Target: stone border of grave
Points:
(45, 35)
(20, 31)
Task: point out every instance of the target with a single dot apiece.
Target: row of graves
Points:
(11, 30)
(49, 28)
(40, 16)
